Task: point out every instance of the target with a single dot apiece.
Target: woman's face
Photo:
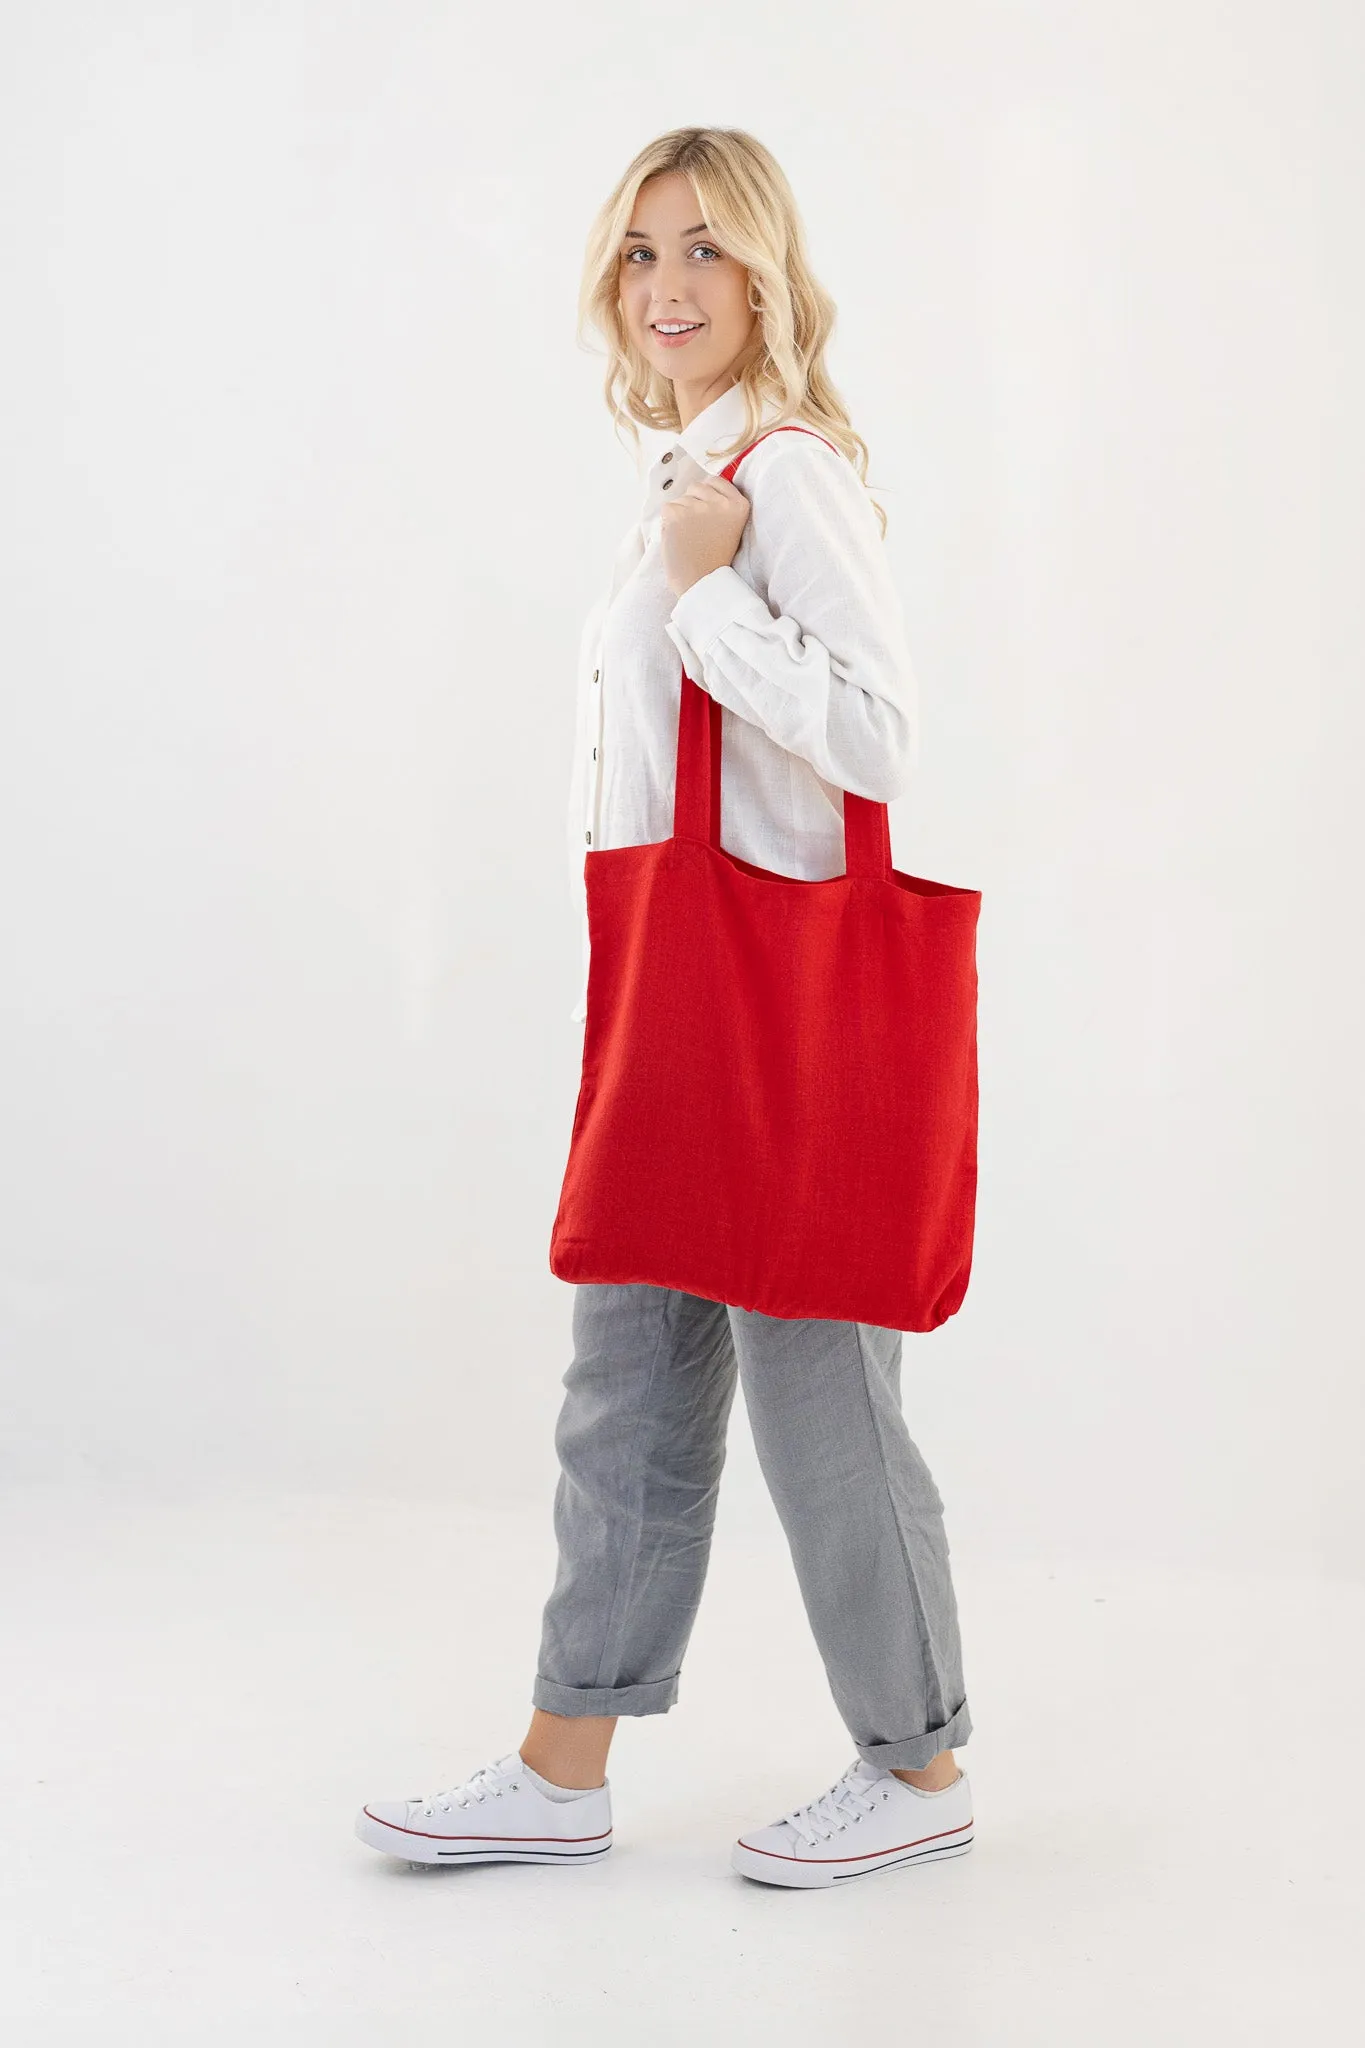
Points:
(673, 271)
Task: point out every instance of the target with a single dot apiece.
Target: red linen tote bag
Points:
(778, 1102)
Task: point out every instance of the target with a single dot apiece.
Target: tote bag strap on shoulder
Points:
(696, 802)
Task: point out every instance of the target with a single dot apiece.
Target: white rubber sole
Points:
(812, 1873)
(416, 1847)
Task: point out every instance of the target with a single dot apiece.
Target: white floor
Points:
(1167, 1776)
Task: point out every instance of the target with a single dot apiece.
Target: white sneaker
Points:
(499, 1815)
(868, 1820)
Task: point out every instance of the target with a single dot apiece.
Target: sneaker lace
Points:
(845, 1801)
(490, 1781)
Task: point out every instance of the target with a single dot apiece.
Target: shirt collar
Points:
(716, 426)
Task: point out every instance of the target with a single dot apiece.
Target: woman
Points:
(777, 598)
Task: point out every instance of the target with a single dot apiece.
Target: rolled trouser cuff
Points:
(654, 1698)
(916, 1752)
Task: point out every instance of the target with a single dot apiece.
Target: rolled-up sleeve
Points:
(813, 650)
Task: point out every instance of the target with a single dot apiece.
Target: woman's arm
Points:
(822, 666)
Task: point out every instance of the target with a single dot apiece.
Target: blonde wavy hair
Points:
(749, 208)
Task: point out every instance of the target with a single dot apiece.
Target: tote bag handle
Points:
(696, 799)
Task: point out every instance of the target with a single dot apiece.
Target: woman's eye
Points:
(640, 250)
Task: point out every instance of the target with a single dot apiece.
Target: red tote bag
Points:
(778, 1103)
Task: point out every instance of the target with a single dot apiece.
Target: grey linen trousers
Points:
(641, 1443)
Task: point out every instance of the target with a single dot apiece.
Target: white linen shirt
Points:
(801, 639)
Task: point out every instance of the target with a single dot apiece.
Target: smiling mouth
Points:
(671, 329)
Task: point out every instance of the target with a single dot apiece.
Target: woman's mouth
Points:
(673, 333)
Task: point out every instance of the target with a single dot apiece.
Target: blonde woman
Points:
(775, 594)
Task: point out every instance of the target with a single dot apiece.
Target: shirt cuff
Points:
(719, 599)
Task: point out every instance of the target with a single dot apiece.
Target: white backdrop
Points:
(306, 489)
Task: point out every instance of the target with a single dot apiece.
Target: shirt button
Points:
(588, 837)
(594, 753)
(596, 673)
(668, 457)
(668, 483)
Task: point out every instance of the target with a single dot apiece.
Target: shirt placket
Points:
(592, 827)
(592, 823)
